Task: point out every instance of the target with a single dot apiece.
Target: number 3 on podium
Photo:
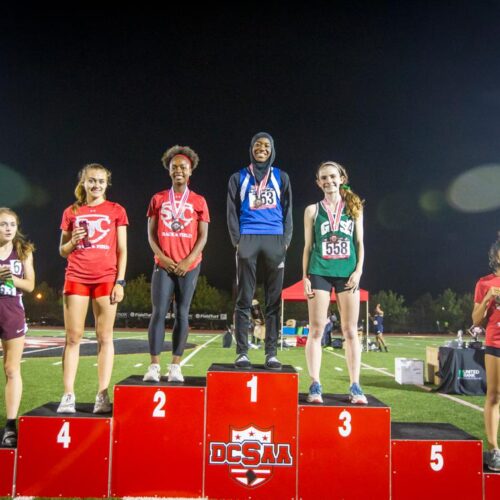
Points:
(252, 385)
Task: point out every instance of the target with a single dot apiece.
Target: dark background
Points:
(405, 95)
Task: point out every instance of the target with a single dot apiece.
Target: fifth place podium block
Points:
(239, 434)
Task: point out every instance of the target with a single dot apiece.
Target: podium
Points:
(251, 434)
(63, 455)
(491, 484)
(447, 462)
(158, 436)
(7, 467)
(345, 445)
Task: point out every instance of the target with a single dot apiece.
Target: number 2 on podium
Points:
(252, 385)
(160, 398)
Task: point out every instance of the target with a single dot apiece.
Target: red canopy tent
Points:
(295, 293)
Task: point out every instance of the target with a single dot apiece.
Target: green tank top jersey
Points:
(333, 253)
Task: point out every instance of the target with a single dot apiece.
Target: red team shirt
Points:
(493, 311)
(97, 263)
(178, 245)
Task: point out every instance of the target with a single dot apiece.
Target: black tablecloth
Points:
(462, 371)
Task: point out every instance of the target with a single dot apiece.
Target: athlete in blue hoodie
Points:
(259, 218)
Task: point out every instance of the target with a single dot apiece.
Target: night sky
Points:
(405, 94)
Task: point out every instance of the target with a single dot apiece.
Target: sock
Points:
(11, 424)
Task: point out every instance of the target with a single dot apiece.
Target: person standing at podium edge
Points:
(259, 219)
(17, 275)
(333, 259)
(487, 311)
(94, 243)
(177, 233)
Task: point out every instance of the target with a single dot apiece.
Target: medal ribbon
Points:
(263, 183)
(171, 197)
(334, 219)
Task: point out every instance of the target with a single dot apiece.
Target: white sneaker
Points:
(174, 373)
(67, 404)
(102, 403)
(153, 374)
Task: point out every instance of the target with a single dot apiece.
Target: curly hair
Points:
(354, 204)
(493, 255)
(80, 193)
(21, 244)
(180, 150)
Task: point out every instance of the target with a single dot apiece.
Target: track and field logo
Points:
(167, 216)
(251, 455)
(99, 226)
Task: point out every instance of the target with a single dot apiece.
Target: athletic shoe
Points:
(102, 403)
(242, 361)
(9, 438)
(272, 363)
(356, 395)
(314, 395)
(153, 374)
(67, 404)
(174, 373)
(494, 460)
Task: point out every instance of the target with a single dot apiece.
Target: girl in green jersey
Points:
(333, 259)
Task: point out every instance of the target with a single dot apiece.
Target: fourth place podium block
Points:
(63, 455)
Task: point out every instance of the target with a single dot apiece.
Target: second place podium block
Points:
(251, 438)
(158, 438)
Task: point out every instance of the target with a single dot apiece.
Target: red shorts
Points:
(12, 318)
(93, 291)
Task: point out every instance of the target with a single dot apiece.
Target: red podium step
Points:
(7, 466)
(251, 438)
(158, 437)
(491, 484)
(343, 449)
(63, 455)
(435, 461)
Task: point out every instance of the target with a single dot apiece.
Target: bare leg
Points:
(105, 314)
(492, 402)
(13, 352)
(75, 309)
(318, 318)
(349, 313)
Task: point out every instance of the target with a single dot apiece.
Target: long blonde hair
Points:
(80, 193)
(353, 203)
(22, 246)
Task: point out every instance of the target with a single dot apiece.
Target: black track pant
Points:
(270, 250)
(163, 286)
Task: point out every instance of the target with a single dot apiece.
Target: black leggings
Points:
(163, 286)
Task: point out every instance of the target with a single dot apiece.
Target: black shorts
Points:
(326, 283)
(492, 351)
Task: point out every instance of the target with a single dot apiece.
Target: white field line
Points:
(387, 373)
(198, 349)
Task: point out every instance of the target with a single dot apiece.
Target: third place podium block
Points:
(435, 461)
(63, 455)
(158, 437)
(7, 463)
(344, 449)
(251, 440)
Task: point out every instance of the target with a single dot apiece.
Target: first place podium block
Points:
(63, 455)
(7, 464)
(251, 438)
(435, 461)
(344, 449)
(158, 437)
